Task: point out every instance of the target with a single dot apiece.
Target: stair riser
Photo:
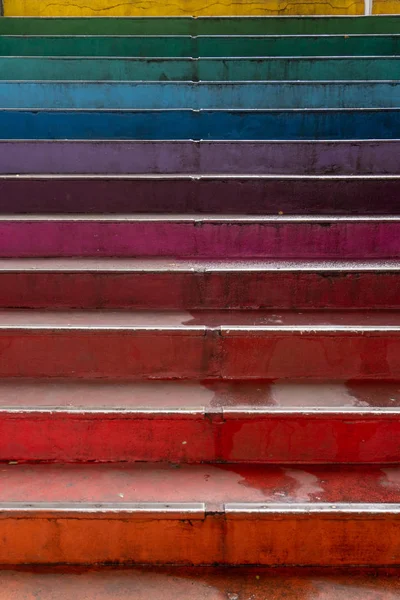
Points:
(180, 69)
(197, 125)
(181, 8)
(233, 239)
(213, 46)
(292, 95)
(198, 26)
(189, 196)
(235, 158)
(190, 291)
(341, 539)
(250, 438)
(199, 354)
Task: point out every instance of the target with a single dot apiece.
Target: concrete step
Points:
(186, 194)
(226, 25)
(201, 95)
(204, 583)
(162, 284)
(199, 514)
(238, 158)
(199, 345)
(208, 421)
(302, 124)
(205, 69)
(200, 236)
(177, 46)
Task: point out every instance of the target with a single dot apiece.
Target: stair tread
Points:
(126, 145)
(212, 485)
(202, 583)
(200, 218)
(197, 322)
(182, 397)
(161, 265)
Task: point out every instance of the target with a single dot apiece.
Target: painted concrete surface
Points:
(208, 236)
(303, 124)
(186, 422)
(199, 584)
(202, 69)
(169, 194)
(290, 25)
(154, 95)
(201, 46)
(189, 285)
(115, 513)
(182, 8)
(233, 345)
(290, 158)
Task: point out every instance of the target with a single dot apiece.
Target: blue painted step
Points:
(155, 95)
(223, 125)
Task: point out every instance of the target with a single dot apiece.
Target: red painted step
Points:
(199, 236)
(200, 514)
(198, 284)
(204, 344)
(67, 421)
(204, 583)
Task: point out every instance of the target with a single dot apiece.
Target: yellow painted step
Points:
(142, 8)
(386, 7)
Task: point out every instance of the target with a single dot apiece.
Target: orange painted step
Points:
(197, 421)
(200, 514)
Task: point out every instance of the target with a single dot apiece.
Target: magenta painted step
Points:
(198, 345)
(186, 422)
(201, 237)
(188, 194)
(198, 284)
(287, 157)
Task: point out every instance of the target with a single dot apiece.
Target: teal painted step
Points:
(206, 125)
(127, 95)
(198, 26)
(184, 46)
(136, 69)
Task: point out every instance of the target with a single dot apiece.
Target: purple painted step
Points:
(211, 194)
(196, 236)
(287, 157)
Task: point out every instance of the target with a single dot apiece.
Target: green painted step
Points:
(169, 69)
(199, 26)
(217, 46)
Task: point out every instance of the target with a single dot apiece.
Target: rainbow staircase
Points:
(199, 301)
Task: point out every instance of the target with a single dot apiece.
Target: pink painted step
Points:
(200, 514)
(200, 236)
(180, 422)
(201, 344)
(198, 284)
